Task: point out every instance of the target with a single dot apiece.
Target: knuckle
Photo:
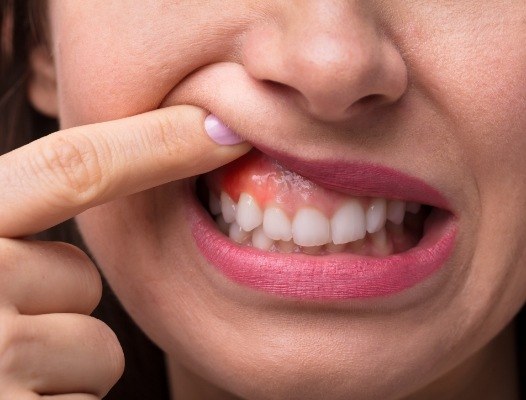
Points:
(71, 165)
(166, 138)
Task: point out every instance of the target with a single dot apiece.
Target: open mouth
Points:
(258, 203)
(276, 230)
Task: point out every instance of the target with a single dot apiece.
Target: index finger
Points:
(55, 178)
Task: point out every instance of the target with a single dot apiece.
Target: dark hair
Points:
(521, 350)
(22, 26)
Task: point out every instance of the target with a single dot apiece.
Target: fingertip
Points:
(220, 133)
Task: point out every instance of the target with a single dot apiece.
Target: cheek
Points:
(124, 61)
(491, 130)
(134, 243)
(471, 65)
(473, 73)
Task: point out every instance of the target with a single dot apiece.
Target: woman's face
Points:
(433, 89)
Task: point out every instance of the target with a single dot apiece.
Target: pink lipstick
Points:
(361, 179)
(342, 275)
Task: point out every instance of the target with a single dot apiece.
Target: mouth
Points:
(320, 230)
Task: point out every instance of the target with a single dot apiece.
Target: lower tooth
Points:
(395, 228)
(260, 240)
(286, 247)
(237, 234)
(335, 248)
(381, 245)
(358, 246)
(313, 250)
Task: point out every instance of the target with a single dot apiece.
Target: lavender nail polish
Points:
(219, 132)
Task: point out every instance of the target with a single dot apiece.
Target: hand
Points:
(50, 348)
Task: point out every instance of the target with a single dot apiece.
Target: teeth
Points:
(396, 211)
(228, 208)
(287, 246)
(351, 228)
(348, 223)
(376, 215)
(396, 229)
(248, 213)
(413, 207)
(335, 248)
(310, 227)
(260, 240)
(276, 224)
(214, 204)
(313, 250)
(237, 234)
(381, 244)
(358, 246)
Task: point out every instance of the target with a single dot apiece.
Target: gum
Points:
(271, 184)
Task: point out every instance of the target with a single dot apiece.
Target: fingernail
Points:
(219, 132)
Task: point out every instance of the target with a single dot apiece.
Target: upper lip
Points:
(358, 178)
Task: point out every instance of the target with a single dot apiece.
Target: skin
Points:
(434, 89)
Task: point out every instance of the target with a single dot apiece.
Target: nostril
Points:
(273, 84)
(367, 103)
(279, 88)
(370, 99)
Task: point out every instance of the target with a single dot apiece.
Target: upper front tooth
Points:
(396, 211)
(276, 224)
(228, 208)
(310, 227)
(248, 213)
(376, 215)
(348, 223)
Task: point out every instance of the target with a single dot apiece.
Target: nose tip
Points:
(330, 68)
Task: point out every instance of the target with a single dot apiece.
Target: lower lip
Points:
(328, 277)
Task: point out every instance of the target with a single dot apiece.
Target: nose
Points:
(330, 57)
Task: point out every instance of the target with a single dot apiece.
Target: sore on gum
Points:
(271, 184)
